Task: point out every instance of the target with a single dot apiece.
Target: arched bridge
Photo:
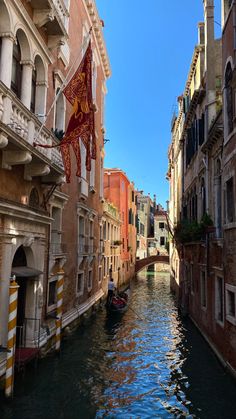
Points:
(142, 263)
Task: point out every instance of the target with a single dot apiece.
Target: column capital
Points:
(42, 83)
(28, 63)
(9, 35)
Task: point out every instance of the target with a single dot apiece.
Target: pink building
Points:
(116, 190)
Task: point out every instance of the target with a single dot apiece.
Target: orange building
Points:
(118, 190)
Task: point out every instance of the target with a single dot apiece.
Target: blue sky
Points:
(150, 46)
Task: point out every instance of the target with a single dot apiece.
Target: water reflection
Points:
(146, 363)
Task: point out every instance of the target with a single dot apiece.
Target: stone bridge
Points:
(151, 260)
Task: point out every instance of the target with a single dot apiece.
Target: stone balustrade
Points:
(26, 126)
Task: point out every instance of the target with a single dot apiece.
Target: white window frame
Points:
(226, 179)
(217, 277)
(52, 307)
(229, 317)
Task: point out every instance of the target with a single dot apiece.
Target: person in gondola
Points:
(111, 289)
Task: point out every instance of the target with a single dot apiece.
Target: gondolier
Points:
(111, 289)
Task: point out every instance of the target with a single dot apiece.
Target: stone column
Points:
(8, 40)
(40, 100)
(26, 82)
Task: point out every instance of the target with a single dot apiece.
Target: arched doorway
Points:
(27, 324)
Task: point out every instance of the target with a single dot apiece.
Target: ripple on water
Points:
(143, 364)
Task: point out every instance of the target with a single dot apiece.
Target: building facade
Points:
(118, 190)
(161, 233)
(111, 242)
(49, 230)
(28, 175)
(144, 205)
(202, 188)
(82, 216)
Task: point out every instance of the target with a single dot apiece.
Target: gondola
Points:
(119, 302)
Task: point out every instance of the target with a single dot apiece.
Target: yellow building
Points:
(111, 244)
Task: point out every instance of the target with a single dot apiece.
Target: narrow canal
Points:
(147, 363)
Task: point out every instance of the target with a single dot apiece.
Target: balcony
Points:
(86, 249)
(58, 249)
(18, 129)
(52, 15)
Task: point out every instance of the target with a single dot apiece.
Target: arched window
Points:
(229, 98)
(34, 198)
(16, 70)
(39, 88)
(33, 91)
(60, 115)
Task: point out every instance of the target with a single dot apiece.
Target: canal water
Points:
(146, 363)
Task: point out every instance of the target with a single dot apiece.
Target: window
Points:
(34, 198)
(230, 209)
(60, 112)
(162, 241)
(161, 225)
(104, 266)
(104, 230)
(101, 179)
(108, 231)
(52, 294)
(33, 91)
(230, 303)
(81, 234)
(99, 274)
(16, 70)
(229, 98)
(108, 261)
(130, 216)
(219, 295)
(203, 196)
(203, 290)
(217, 197)
(80, 283)
(92, 176)
(90, 280)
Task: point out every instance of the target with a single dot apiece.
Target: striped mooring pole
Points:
(60, 283)
(11, 339)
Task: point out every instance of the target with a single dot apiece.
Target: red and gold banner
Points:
(81, 125)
